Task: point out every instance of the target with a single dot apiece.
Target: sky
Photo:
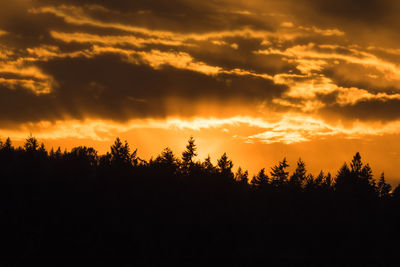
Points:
(258, 79)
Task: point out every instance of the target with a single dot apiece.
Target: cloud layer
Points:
(332, 63)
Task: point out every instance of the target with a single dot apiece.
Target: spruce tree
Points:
(383, 187)
(299, 176)
(188, 155)
(279, 174)
(260, 180)
(225, 166)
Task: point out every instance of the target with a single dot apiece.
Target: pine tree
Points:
(225, 166)
(343, 178)
(320, 179)
(42, 150)
(167, 161)
(356, 164)
(242, 176)
(58, 154)
(208, 166)
(279, 174)
(367, 177)
(120, 153)
(7, 146)
(188, 155)
(260, 180)
(31, 144)
(383, 187)
(299, 176)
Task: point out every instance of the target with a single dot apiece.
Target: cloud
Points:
(121, 60)
(198, 16)
(110, 86)
(382, 109)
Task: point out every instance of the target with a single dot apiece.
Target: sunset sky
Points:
(258, 79)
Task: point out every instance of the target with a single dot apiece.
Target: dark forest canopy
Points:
(356, 176)
(176, 208)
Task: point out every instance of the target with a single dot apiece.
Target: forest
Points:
(76, 207)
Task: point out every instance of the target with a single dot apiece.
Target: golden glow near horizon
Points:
(267, 78)
(290, 129)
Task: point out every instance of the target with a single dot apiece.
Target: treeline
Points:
(33, 158)
(116, 205)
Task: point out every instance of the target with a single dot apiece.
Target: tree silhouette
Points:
(242, 176)
(343, 179)
(208, 166)
(383, 187)
(260, 180)
(357, 182)
(31, 145)
(356, 164)
(279, 174)
(120, 153)
(7, 146)
(320, 179)
(225, 166)
(84, 155)
(188, 155)
(297, 179)
(367, 177)
(167, 161)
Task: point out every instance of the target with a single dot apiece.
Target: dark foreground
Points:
(77, 208)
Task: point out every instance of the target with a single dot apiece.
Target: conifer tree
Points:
(120, 153)
(167, 161)
(260, 180)
(299, 176)
(383, 187)
(367, 177)
(7, 146)
(31, 144)
(279, 174)
(320, 179)
(242, 176)
(356, 164)
(225, 166)
(208, 166)
(188, 155)
(343, 178)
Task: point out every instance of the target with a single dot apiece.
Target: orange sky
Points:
(257, 79)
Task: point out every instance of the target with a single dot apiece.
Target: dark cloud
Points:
(370, 22)
(383, 110)
(363, 77)
(371, 11)
(176, 15)
(20, 105)
(108, 87)
(239, 53)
